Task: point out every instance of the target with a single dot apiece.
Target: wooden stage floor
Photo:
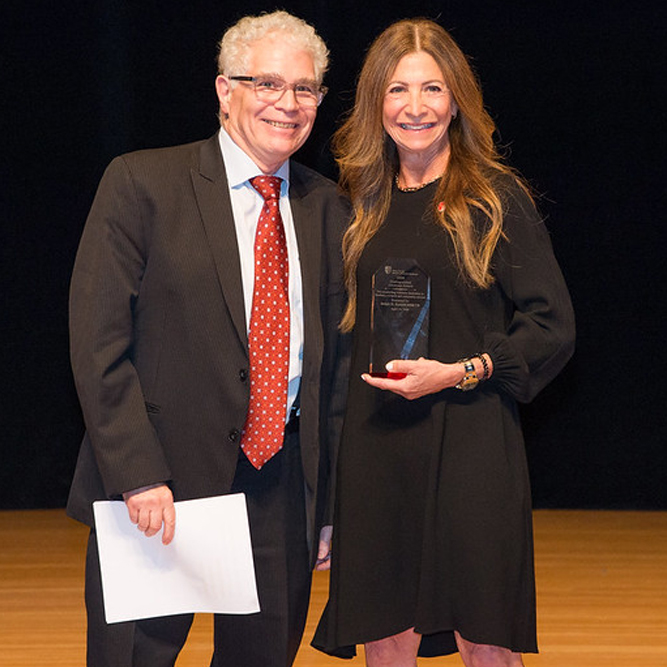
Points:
(601, 577)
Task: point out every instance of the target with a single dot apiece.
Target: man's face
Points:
(269, 132)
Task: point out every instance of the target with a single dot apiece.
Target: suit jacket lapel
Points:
(308, 227)
(308, 233)
(210, 185)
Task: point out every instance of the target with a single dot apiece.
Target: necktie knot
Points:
(267, 186)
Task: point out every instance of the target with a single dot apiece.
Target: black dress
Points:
(432, 524)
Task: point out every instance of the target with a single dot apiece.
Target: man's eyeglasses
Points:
(271, 89)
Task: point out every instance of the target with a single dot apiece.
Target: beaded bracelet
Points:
(485, 365)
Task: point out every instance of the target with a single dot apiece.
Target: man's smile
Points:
(284, 126)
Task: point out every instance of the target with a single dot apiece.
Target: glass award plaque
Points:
(401, 301)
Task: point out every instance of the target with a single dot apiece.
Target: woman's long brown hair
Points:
(368, 159)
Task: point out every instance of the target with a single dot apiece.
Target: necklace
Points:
(414, 188)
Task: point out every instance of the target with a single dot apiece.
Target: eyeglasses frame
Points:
(321, 90)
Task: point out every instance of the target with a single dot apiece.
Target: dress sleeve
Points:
(539, 338)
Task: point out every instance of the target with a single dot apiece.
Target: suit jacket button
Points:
(234, 435)
(243, 374)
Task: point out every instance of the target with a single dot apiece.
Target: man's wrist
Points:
(141, 489)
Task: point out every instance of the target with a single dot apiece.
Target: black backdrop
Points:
(576, 90)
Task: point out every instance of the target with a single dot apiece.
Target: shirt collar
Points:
(239, 165)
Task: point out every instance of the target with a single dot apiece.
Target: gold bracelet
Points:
(470, 379)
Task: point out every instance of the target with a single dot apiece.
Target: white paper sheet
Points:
(208, 566)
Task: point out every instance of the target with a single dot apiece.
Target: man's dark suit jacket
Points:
(159, 337)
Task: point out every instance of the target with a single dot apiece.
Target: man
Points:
(170, 363)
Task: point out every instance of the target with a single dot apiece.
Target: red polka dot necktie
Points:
(268, 341)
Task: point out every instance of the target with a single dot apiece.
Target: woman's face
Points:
(418, 108)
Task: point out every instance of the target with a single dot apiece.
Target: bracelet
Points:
(469, 380)
(485, 365)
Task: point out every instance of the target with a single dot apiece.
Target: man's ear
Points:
(223, 88)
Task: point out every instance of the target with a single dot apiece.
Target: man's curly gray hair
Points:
(236, 42)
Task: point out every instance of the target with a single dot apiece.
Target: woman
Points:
(432, 546)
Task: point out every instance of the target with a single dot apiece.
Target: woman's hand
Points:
(422, 377)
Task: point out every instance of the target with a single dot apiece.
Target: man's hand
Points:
(324, 550)
(151, 507)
